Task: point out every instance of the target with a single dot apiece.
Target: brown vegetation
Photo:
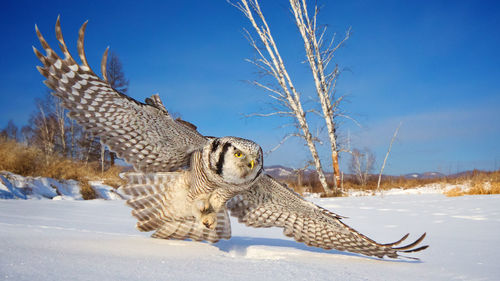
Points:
(32, 161)
(480, 182)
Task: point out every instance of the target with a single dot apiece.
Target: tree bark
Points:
(318, 61)
(289, 96)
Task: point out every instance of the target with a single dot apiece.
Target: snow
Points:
(13, 186)
(105, 191)
(96, 240)
(433, 188)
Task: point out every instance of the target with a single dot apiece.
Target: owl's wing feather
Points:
(153, 199)
(270, 203)
(144, 135)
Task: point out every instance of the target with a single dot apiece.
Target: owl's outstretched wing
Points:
(269, 203)
(144, 135)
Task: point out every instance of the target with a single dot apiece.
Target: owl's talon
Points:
(203, 205)
(209, 220)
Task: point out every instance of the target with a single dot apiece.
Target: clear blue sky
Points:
(434, 65)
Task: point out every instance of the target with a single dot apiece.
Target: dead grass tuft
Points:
(454, 192)
(482, 183)
(88, 193)
(19, 159)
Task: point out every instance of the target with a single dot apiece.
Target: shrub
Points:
(88, 193)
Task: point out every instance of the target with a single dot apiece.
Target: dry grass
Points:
(481, 182)
(312, 185)
(30, 161)
(19, 159)
(88, 193)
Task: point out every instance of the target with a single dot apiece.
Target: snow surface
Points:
(13, 186)
(433, 188)
(96, 240)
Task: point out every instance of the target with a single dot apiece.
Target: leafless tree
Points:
(387, 155)
(319, 57)
(361, 164)
(26, 135)
(51, 130)
(62, 121)
(286, 97)
(45, 127)
(115, 75)
(10, 131)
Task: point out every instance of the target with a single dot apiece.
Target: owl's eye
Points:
(238, 155)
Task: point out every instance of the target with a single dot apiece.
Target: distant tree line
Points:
(53, 132)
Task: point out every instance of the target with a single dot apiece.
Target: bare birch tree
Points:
(319, 58)
(286, 96)
(61, 119)
(45, 128)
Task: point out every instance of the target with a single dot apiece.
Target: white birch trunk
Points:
(275, 67)
(318, 61)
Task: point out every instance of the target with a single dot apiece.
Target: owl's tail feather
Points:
(153, 197)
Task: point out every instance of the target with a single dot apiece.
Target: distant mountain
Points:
(426, 175)
(278, 171)
(282, 172)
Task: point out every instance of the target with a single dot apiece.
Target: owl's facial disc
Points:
(242, 161)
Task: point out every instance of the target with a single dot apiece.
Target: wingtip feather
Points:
(103, 64)
(411, 245)
(399, 241)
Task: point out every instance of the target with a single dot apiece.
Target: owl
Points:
(185, 183)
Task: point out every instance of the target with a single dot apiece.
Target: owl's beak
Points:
(252, 163)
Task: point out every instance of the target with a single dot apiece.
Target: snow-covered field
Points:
(96, 240)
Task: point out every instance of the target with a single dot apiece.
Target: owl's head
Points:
(236, 160)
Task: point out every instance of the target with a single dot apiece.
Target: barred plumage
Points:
(184, 182)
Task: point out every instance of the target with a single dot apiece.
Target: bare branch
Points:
(282, 113)
(283, 140)
(387, 154)
(269, 89)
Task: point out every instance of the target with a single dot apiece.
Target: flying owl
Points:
(184, 183)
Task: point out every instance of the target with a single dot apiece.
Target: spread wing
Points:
(144, 135)
(269, 203)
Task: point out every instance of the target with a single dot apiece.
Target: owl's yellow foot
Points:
(206, 213)
(209, 220)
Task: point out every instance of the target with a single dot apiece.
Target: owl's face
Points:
(236, 160)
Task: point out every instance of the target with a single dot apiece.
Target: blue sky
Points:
(433, 65)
